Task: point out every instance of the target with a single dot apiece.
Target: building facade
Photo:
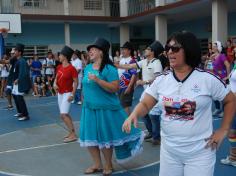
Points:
(50, 24)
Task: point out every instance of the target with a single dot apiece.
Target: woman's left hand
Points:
(215, 140)
(70, 98)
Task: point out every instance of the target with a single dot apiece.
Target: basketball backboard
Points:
(12, 22)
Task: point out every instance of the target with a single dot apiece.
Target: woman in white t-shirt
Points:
(185, 95)
(231, 159)
(4, 75)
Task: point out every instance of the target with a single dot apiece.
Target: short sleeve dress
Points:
(102, 117)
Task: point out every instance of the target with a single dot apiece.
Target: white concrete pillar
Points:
(123, 8)
(219, 21)
(124, 33)
(159, 3)
(66, 7)
(67, 34)
(161, 28)
(66, 25)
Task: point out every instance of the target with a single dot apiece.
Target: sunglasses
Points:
(173, 48)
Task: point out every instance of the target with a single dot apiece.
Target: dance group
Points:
(183, 94)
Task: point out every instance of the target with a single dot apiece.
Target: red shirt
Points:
(230, 56)
(65, 77)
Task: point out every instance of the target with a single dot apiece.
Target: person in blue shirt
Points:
(102, 114)
(35, 68)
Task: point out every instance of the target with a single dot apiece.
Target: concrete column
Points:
(123, 8)
(159, 3)
(66, 7)
(161, 28)
(66, 25)
(67, 34)
(124, 33)
(219, 21)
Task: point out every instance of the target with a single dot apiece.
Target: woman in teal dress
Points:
(102, 115)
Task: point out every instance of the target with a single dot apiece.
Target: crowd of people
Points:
(179, 87)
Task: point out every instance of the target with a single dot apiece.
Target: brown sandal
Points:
(92, 170)
(107, 172)
(67, 140)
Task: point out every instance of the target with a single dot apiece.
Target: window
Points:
(34, 3)
(204, 45)
(93, 4)
(40, 50)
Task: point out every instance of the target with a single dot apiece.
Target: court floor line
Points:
(61, 144)
(31, 148)
(11, 174)
(137, 168)
(46, 146)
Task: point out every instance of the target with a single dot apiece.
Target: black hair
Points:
(67, 58)
(190, 45)
(230, 41)
(105, 60)
(36, 81)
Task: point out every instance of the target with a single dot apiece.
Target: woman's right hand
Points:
(55, 86)
(126, 127)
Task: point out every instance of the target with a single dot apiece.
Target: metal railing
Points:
(78, 7)
(138, 6)
(56, 7)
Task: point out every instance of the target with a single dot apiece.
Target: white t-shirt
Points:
(48, 62)
(186, 108)
(232, 81)
(149, 68)
(123, 61)
(155, 110)
(4, 72)
(77, 63)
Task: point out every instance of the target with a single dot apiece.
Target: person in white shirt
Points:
(77, 63)
(151, 67)
(4, 74)
(127, 77)
(231, 158)
(185, 93)
(117, 57)
(49, 70)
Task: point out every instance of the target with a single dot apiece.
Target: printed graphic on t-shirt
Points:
(60, 75)
(182, 109)
(125, 78)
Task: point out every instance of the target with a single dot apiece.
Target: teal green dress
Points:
(102, 118)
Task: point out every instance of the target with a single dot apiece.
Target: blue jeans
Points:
(77, 95)
(152, 123)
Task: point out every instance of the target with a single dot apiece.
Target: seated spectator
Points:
(39, 87)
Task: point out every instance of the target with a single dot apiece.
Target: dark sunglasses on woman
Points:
(174, 48)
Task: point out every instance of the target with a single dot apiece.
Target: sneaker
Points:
(220, 115)
(8, 108)
(149, 136)
(23, 118)
(72, 102)
(216, 112)
(227, 161)
(79, 103)
(17, 115)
